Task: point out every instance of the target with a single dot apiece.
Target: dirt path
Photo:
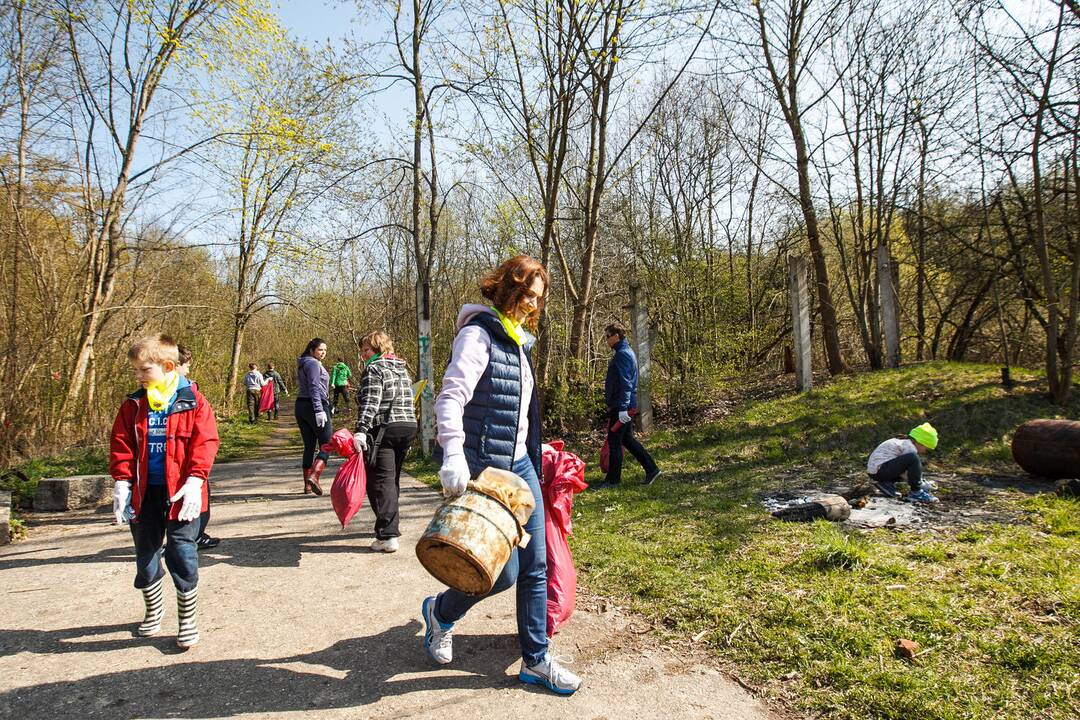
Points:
(300, 619)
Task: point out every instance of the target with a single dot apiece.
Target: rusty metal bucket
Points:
(470, 538)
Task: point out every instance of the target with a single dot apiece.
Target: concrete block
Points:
(70, 493)
(5, 517)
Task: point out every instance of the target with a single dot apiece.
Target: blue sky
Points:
(316, 21)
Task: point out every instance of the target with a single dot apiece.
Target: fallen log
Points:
(1048, 448)
(827, 507)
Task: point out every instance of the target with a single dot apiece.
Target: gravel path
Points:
(300, 619)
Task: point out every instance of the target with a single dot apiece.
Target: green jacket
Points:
(339, 376)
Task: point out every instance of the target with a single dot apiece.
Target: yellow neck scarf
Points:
(513, 327)
(159, 394)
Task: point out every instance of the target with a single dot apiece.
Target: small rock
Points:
(906, 649)
(793, 675)
(1068, 488)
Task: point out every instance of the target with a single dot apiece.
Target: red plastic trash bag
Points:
(564, 475)
(350, 482)
(266, 398)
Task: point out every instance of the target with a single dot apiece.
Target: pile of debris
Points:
(856, 506)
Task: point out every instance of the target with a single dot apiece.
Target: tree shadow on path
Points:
(350, 673)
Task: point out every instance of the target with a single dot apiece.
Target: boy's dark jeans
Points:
(383, 468)
(150, 529)
(624, 437)
(892, 470)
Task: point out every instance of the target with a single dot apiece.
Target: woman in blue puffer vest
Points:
(488, 416)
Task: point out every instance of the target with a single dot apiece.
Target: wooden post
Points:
(800, 322)
(423, 341)
(890, 317)
(639, 334)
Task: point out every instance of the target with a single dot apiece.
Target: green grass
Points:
(241, 440)
(995, 608)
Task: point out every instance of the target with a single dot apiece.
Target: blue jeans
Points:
(527, 567)
(892, 470)
(150, 529)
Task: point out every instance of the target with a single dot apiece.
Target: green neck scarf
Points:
(372, 359)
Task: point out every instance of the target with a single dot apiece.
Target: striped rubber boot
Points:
(155, 608)
(186, 603)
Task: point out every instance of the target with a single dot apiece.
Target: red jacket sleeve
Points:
(204, 440)
(123, 450)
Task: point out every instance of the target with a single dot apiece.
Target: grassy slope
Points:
(810, 614)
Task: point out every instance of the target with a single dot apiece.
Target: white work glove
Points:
(624, 417)
(454, 475)
(191, 495)
(320, 418)
(121, 503)
(359, 442)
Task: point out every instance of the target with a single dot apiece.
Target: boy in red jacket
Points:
(163, 444)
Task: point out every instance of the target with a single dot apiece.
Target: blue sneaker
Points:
(888, 489)
(438, 636)
(922, 495)
(550, 674)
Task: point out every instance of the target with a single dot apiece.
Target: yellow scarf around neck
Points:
(513, 327)
(159, 394)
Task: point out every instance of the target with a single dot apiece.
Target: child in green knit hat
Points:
(898, 458)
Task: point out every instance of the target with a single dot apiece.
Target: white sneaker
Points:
(550, 674)
(438, 637)
(388, 546)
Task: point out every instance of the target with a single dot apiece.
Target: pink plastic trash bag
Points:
(564, 475)
(350, 482)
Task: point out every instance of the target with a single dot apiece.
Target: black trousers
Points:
(314, 436)
(340, 391)
(617, 440)
(383, 468)
(909, 464)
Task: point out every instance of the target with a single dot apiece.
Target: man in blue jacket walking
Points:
(620, 396)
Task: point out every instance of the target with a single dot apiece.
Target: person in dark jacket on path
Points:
(620, 396)
(385, 428)
(279, 389)
(313, 412)
(183, 369)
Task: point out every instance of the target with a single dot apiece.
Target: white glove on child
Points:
(191, 495)
(320, 418)
(121, 503)
(454, 475)
(359, 441)
(624, 417)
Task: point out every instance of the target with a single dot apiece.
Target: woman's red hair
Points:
(507, 284)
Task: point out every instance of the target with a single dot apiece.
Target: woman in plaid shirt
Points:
(385, 427)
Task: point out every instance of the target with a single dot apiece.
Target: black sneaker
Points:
(205, 542)
(604, 484)
(887, 488)
(651, 478)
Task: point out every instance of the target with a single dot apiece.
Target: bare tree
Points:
(122, 52)
(790, 35)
